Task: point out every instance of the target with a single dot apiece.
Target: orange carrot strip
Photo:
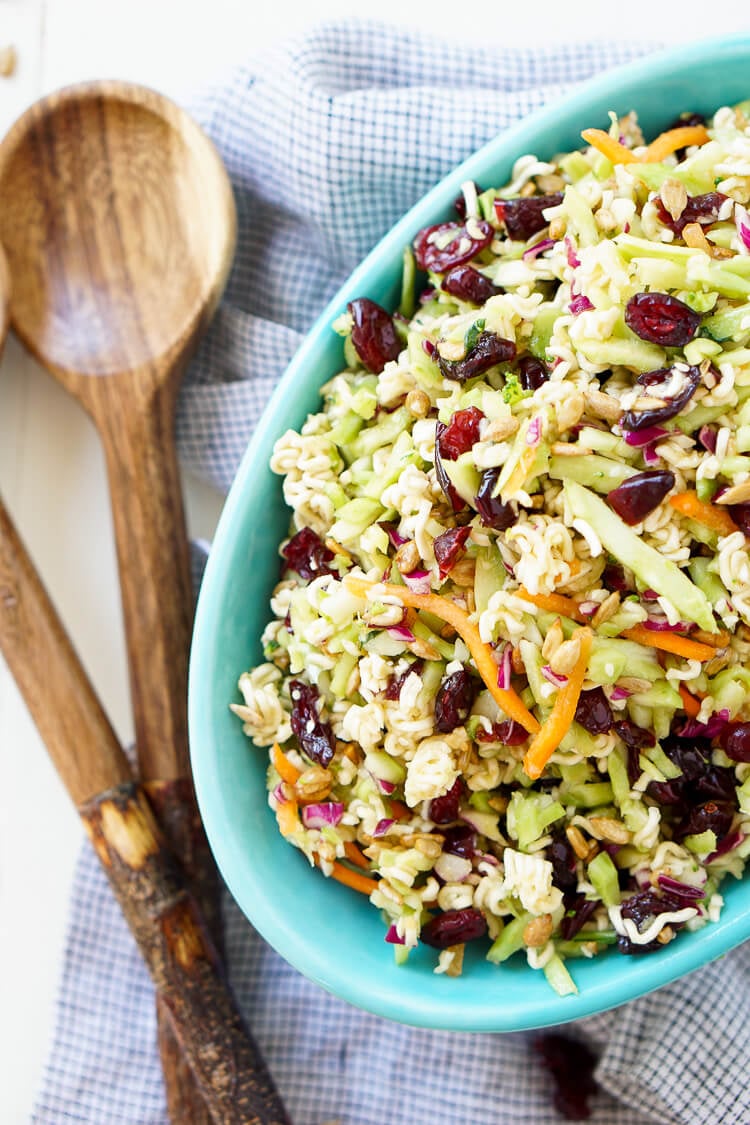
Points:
(670, 642)
(287, 817)
(353, 879)
(506, 698)
(399, 811)
(690, 704)
(558, 723)
(354, 855)
(553, 603)
(284, 768)
(715, 518)
(669, 142)
(609, 147)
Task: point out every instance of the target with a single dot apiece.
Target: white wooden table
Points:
(51, 469)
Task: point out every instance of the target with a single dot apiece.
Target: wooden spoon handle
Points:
(234, 1080)
(154, 566)
(62, 702)
(236, 1085)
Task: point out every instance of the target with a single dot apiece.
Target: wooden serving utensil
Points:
(119, 225)
(165, 919)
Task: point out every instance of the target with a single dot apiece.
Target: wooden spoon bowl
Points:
(119, 226)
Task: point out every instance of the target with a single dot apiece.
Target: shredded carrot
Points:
(670, 642)
(354, 855)
(608, 146)
(715, 518)
(557, 725)
(663, 145)
(690, 704)
(669, 142)
(506, 698)
(553, 603)
(362, 883)
(287, 817)
(399, 811)
(284, 768)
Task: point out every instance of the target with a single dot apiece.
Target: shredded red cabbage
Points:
(418, 581)
(504, 669)
(647, 436)
(535, 251)
(715, 725)
(392, 935)
(553, 677)
(683, 890)
(323, 814)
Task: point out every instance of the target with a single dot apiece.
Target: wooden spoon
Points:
(119, 225)
(233, 1080)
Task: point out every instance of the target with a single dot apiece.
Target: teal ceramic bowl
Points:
(328, 932)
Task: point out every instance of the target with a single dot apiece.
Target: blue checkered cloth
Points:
(328, 140)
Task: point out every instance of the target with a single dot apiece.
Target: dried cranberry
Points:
(593, 711)
(571, 1064)
(614, 578)
(532, 373)
(523, 216)
(703, 209)
(469, 284)
(448, 548)
(493, 511)
(454, 700)
(740, 513)
(455, 501)
(637, 496)
(393, 690)
(461, 433)
(717, 784)
(634, 948)
(578, 910)
(308, 555)
(661, 319)
(509, 732)
(444, 810)
(454, 927)
(712, 816)
(432, 253)
(460, 840)
(735, 739)
(652, 380)
(645, 905)
(691, 756)
(636, 739)
(686, 119)
(315, 737)
(672, 793)
(563, 860)
(488, 351)
(373, 335)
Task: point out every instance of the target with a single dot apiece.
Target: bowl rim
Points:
(290, 942)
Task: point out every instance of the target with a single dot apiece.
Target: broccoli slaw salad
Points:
(505, 692)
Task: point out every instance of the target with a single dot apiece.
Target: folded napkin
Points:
(328, 140)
